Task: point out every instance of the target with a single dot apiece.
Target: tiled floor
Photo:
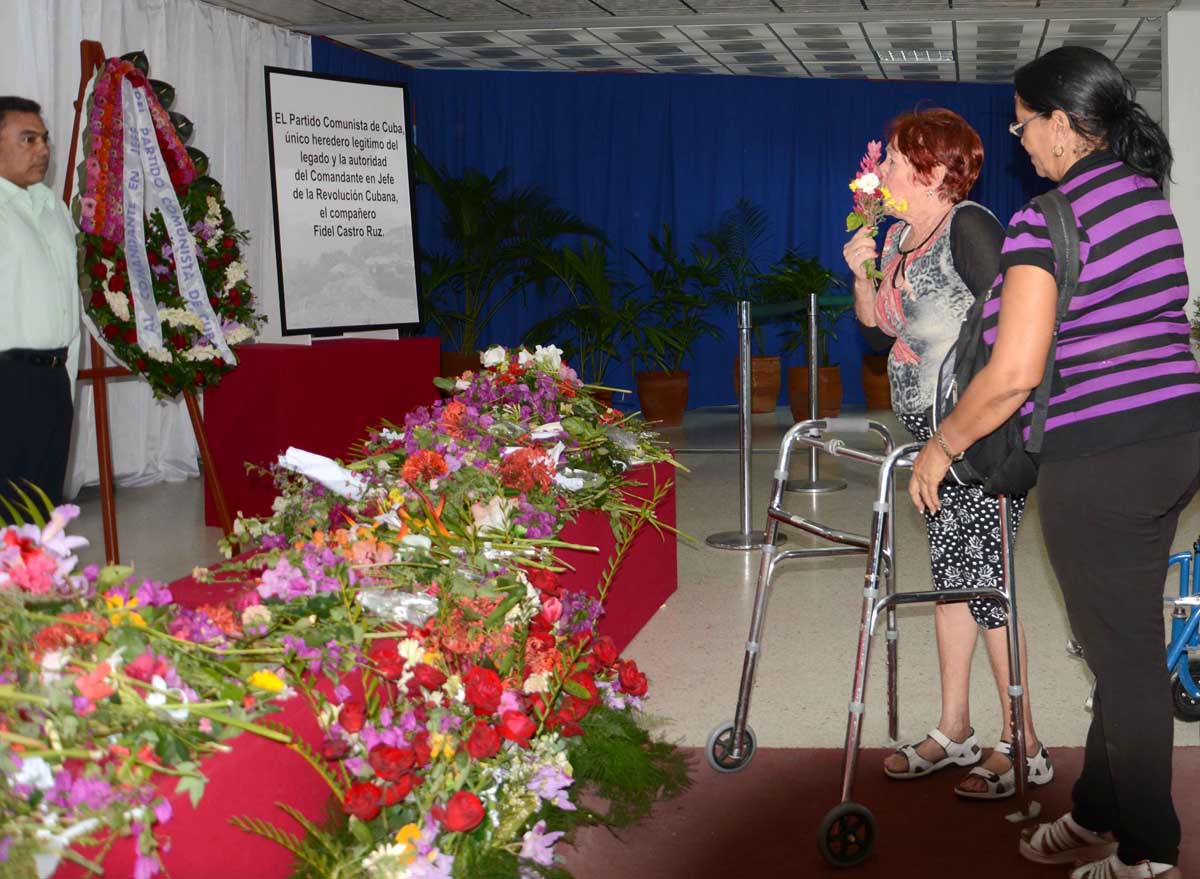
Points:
(693, 648)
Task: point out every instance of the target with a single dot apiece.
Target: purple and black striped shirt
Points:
(1125, 367)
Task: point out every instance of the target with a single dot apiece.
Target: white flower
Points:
(493, 517)
(494, 356)
(157, 698)
(35, 772)
(237, 334)
(53, 662)
(411, 651)
(538, 683)
(524, 358)
(159, 354)
(234, 273)
(181, 317)
(198, 352)
(118, 302)
(549, 357)
(868, 183)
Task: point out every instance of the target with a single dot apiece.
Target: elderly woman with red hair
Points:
(943, 252)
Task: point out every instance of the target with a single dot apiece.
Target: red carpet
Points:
(763, 822)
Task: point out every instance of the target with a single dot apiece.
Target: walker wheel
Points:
(847, 835)
(1186, 708)
(720, 749)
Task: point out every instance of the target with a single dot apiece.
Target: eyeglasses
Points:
(1016, 129)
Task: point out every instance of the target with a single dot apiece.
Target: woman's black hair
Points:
(1099, 101)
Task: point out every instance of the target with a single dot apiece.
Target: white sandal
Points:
(1065, 841)
(1004, 784)
(1113, 868)
(964, 753)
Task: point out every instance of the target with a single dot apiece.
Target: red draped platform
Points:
(259, 773)
(321, 398)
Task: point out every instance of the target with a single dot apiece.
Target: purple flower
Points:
(538, 846)
(163, 811)
(550, 784)
(5, 845)
(145, 867)
(151, 594)
(440, 867)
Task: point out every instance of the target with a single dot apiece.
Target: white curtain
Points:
(215, 60)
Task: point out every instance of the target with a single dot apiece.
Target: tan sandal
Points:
(964, 753)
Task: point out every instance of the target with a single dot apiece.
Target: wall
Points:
(1183, 127)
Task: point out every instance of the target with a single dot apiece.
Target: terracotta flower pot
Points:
(764, 383)
(829, 392)
(663, 395)
(876, 386)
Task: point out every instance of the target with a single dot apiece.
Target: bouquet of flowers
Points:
(108, 691)
(871, 199)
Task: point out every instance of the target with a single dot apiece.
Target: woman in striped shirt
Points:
(1121, 454)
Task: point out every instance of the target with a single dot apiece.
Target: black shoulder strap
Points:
(1064, 235)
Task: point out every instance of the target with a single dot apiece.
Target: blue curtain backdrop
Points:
(628, 153)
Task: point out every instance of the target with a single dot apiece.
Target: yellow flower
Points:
(854, 186)
(396, 496)
(407, 836)
(115, 602)
(885, 192)
(442, 745)
(267, 680)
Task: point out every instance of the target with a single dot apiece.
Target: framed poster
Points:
(341, 187)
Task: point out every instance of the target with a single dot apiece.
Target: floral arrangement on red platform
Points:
(191, 355)
(460, 735)
(871, 199)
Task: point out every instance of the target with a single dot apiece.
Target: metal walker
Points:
(848, 832)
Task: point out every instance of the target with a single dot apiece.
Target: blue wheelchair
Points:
(1183, 652)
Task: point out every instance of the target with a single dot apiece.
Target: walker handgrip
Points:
(847, 424)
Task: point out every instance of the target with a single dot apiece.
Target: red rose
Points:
(214, 302)
(387, 659)
(130, 335)
(398, 790)
(120, 266)
(179, 341)
(352, 716)
(218, 362)
(228, 243)
(334, 749)
(363, 800)
(98, 300)
(199, 379)
(235, 297)
(565, 723)
(575, 708)
(421, 750)
(464, 812)
(516, 727)
(140, 364)
(111, 332)
(116, 283)
(633, 681)
(605, 650)
(483, 743)
(546, 581)
(483, 689)
(98, 271)
(213, 263)
(108, 249)
(228, 257)
(390, 763)
(428, 677)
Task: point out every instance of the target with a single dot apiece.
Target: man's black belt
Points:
(49, 357)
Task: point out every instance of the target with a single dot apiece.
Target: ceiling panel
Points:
(945, 40)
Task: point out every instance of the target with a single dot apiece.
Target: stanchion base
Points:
(820, 486)
(740, 539)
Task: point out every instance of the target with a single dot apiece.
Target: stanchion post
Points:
(746, 537)
(814, 484)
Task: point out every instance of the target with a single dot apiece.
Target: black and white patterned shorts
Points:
(964, 537)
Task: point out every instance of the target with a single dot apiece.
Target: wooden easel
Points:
(91, 59)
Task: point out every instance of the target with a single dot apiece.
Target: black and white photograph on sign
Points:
(344, 225)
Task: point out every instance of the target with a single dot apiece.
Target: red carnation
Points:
(484, 742)
(363, 800)
(423, 464)
(228, 243)
(464, 812)
(398, 790)
(516, 727)
(387, 660)
(605, 649)
(111, 332)
(352, 716)
(420, 745)
(483, 689)
(108, 249)
(334, 749)
(116, 283)
(98, 271)
(428, 677)
(390, 763)
(235, 297)
(98, 300)
(130, 335)
(633, 681)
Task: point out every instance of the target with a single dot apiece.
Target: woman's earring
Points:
(1058, 150)
(929, 193)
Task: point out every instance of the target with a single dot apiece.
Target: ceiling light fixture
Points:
(915, 56)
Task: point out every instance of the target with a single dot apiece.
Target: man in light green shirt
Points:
(39, 307)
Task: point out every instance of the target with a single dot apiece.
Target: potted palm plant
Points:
(492, 240)
(600, 312)
(735, 242)
(674, 318)
(793, 279)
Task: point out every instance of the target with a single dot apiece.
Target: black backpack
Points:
(1002, 462)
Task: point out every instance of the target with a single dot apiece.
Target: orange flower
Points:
(423, 464)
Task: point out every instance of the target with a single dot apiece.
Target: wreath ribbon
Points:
(145, 177)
